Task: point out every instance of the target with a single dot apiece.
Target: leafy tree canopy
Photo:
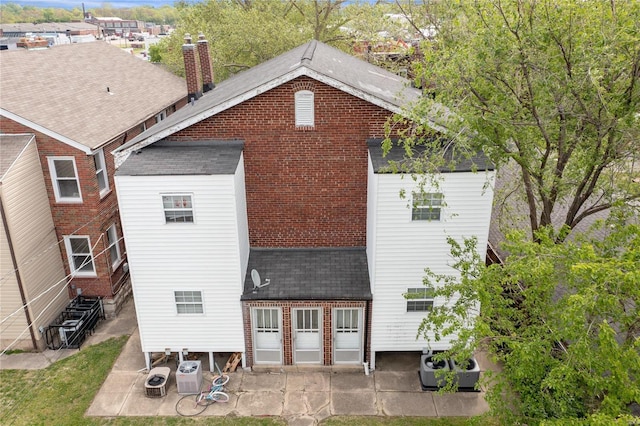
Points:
(562, 320)
(552, 86)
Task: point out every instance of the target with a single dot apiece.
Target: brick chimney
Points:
(205, 63)
(192, 69)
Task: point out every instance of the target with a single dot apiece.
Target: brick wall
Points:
(306, 187)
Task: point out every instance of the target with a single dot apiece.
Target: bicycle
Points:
(192, 405)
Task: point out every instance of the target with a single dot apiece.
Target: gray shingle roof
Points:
(313, 59)
(184, 158)
(396, 154)
(63, 89)
(309, 274)
(47, 27)
(11, 146)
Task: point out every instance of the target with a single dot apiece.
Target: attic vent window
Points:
(304, 108)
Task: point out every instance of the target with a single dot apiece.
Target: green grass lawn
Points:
(61, 393)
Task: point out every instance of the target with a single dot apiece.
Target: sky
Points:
(70, 4)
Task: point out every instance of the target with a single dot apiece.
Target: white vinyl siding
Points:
(400, 249)
(205, 256)
(113, 246)
(101, 172)
(30, 222)
(64, 178)
(80, 256)
(304, 106)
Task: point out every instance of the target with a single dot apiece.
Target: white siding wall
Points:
(37, 252)
(243, 221)
(203, 256)
(403, 248)
(372, 217)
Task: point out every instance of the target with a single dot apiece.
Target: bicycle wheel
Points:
(204, 399)
(220, 380)
(219, 396)
(188, 407)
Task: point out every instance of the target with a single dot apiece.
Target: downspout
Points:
(367, 348)
(18, 280)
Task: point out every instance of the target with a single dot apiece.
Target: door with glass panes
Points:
(347, 335)
(307, 335)
(267, 336)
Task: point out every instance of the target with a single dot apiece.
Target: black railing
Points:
(72, 326)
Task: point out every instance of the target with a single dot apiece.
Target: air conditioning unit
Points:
(429, 367)
(68, 331)
(189, 377)
(468, 376)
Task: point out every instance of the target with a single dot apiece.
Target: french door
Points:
(347, 335)
(267, 336)
(307, 335)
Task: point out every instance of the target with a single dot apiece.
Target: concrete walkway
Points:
(302, 398)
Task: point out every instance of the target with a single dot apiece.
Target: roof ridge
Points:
(307, 55)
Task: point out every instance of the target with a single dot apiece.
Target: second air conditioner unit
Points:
(189, 377)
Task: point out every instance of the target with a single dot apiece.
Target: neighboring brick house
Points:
(259, 219)
(81, 102)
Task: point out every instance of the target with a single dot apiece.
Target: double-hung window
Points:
(101, 172)
(64, 177)
(427, 206)
(177, 208)
(189, 302)
(419, 299)
(79, 255)
(304, 106)
(113, 246)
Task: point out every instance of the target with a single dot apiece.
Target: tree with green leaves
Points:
(562, 320)
(550, 86)
(240, 34)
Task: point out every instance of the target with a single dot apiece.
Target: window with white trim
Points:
(419, 299)
(113, 246)
(188, 302)
(304, 105)
(64, 177)
(101, 172)
(177, 208)
(161, 116)
(79, 254)
(427, 206)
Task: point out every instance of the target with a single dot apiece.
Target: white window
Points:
(101, 172)
(177, 208)
(161, 116)
(427, 206)
(113, 246)
(419, 299)
(64, 177)
(304, 108)
(189, 302)
(79, 254)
